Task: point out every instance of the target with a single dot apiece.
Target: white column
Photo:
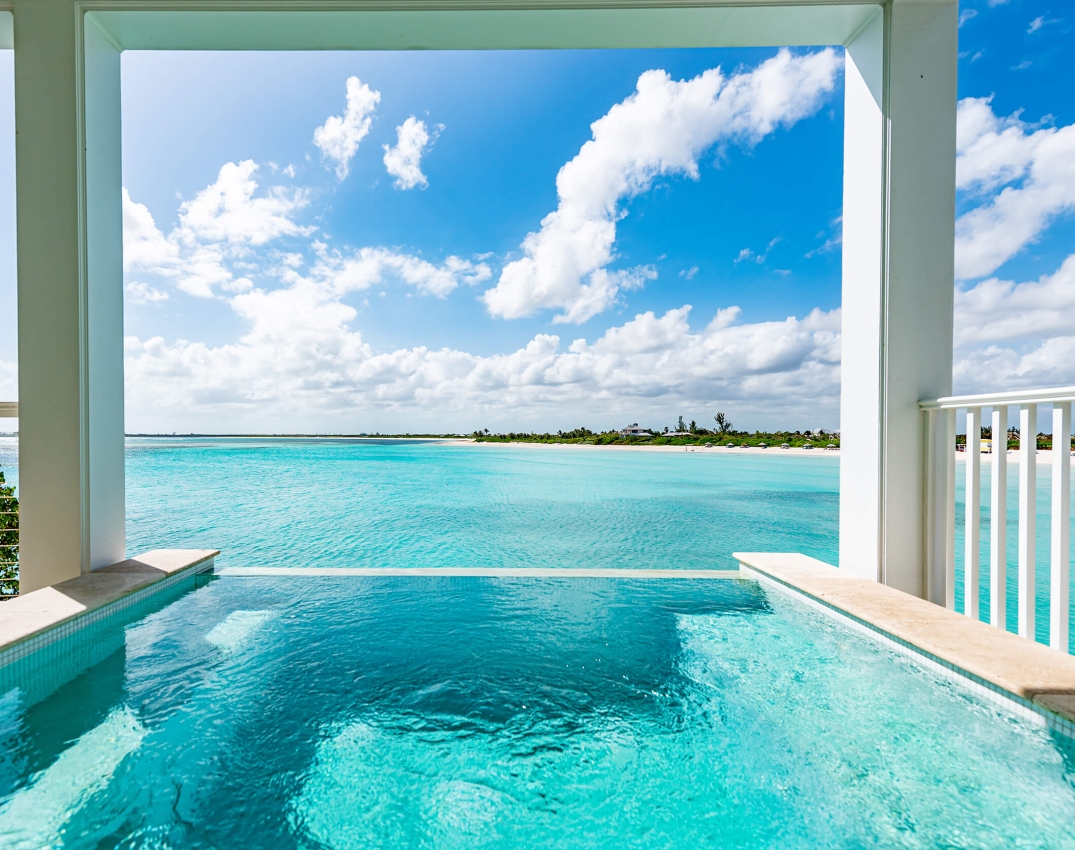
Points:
(973, 514)
(69, 221)
(899, 213)
(863, 225)
(1028, 471)
(1060, 554)
(998, 520)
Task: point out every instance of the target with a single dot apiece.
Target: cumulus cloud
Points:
(227, 211)
(339, 137)
(300, 353)
(216, 228)
(143, 293)
(366, 267)
(659, 130)
(404, 161)
(1034, 168)
(1013, 335)
(1002, 310)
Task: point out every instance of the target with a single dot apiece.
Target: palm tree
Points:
(723, 425)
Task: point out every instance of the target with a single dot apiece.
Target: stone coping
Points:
(476, 572)
(27, 617)
(1018, 667)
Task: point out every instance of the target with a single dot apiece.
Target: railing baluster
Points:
(942, 509)
(1060, 533)
(1028, 447)
(972, 524)
(950, 513)
(998, 519)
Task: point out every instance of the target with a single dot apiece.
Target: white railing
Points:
(940, 504)
(9, 410)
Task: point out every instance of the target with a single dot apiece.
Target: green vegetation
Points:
(684, 435)
(9, 540)
(1044, 441)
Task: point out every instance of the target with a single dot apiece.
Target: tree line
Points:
(723, 433)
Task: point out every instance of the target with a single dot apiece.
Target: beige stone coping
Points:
(477, 572)
(41, 610)
(1019, 666)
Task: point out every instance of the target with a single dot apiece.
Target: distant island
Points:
(684, 434)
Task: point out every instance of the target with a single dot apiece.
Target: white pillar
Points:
(898, 278)
(69, 221)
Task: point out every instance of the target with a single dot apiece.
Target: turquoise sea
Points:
(395, 503)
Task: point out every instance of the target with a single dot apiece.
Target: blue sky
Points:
(275, 283)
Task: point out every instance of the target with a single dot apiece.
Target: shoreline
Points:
(714, 450)
(1044, 456)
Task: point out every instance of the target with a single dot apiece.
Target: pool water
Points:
(446, 712)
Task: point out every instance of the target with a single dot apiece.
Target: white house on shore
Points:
(633, 430)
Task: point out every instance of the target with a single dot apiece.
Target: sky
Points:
(439, 242)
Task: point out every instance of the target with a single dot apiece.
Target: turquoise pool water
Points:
(470, 712)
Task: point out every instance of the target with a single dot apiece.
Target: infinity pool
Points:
(507, 712)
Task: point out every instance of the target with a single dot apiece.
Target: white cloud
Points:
(660, 130)
(218, 227)
(761, 257)
(1002, 310)
(404, 161)
(339, 137)
(227, 211)
(368, 267)
(9, 385)
(997, 152)
(301, 358)
(688, 274)
(967, 15)
(143, 293)
(1010, 335)
(1040, 22)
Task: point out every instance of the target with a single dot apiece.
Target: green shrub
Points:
(9, 540)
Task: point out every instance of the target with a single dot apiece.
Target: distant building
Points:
(634, 431)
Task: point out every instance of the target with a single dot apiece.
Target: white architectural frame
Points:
(899, 212)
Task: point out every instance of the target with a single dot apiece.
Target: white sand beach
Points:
(723, 450)
(1045, 456)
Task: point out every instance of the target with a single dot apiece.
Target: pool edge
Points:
(45, 616)
(868, 607)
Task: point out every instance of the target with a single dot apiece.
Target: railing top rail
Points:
(1046, 396)
(9, 410)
